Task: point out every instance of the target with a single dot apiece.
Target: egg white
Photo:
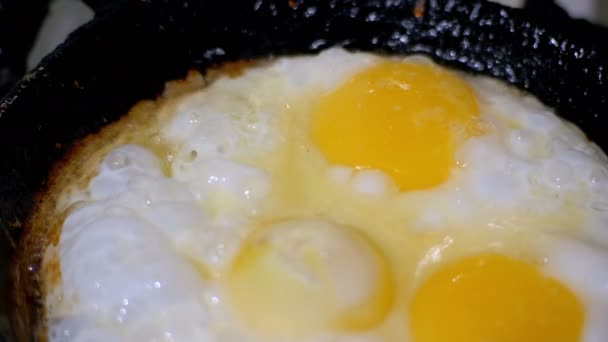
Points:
(142, 248)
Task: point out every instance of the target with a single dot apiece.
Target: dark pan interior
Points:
(128, 53)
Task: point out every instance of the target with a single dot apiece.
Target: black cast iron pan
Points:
(129, 51)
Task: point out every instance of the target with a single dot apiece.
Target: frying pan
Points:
(130, 50)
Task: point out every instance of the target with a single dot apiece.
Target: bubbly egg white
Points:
(143, 250)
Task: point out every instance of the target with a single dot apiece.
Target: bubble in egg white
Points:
(557, 174)
(524, 143)
(119, 166)
(365, 182)
(122, 269)
(371, 182)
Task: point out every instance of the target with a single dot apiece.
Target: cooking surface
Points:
(5, 246)
(4, 256)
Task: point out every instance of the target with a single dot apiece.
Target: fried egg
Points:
(341, 197)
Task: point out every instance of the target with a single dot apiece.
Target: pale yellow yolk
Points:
(401, 118)
(494, 298)
(302, 277)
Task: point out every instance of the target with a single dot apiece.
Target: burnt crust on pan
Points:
(128, 53)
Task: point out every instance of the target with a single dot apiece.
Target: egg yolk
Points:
(402, 118)
(493, 298)
(307, 276)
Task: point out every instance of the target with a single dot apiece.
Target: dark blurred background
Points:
(30, 29)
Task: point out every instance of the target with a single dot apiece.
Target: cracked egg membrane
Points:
(331, 198)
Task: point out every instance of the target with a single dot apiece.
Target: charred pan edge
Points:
(128, 53)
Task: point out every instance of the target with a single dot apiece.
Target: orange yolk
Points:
(404, 119)
(494, 298)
